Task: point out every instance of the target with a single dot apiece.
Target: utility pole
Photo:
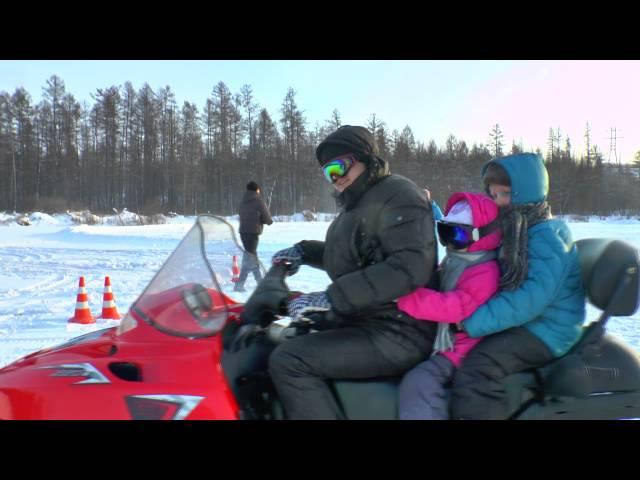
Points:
(587, 137)
(613, 140)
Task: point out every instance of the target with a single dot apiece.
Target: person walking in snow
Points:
(254, 213)
(469, 276)
(381, 246)
(538, 314)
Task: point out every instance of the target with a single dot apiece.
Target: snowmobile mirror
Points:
(197, 300)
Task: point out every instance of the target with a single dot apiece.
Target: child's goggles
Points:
(459, 236)
(338, 167)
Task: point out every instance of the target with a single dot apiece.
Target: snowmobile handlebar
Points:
(269, 298)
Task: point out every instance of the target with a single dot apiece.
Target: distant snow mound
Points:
(85, 217)
(622, 218)
(309, 216)
(39, 218)
(326, 217)
(7, 218)
(305, 216)
(24, 221)
(175, 218)
(158, 219)
(11, 218)
(35, 218)
(575, 218)
(125, 217)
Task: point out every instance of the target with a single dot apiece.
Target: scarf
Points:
(515, 221)
(451, 268)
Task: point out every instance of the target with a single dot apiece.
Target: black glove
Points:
(327, 320)
(237, 337)
(268, 300)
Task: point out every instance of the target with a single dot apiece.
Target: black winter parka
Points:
(382, 246)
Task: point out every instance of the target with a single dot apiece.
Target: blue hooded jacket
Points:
(550, 303)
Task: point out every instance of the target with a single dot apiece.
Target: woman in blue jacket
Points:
(539, 312)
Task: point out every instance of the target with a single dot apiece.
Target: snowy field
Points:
(40, 266)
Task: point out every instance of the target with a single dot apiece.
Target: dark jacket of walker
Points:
(253, 213)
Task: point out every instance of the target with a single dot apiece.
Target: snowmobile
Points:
(187, 351)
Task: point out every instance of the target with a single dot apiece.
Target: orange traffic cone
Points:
(235, 270)
(109, 310)
(82, 313)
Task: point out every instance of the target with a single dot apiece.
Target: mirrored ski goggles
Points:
(455, 235)
(338, 167)
(459, 236)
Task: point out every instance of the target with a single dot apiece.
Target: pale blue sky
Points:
(434, 97)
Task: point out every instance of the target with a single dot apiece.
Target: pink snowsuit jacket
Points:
(475, 286)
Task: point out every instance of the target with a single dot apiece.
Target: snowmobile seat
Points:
(610, 273)
(599, 362)
(369, 399)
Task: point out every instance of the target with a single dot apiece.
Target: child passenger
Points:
(538, 314)
(469, 276)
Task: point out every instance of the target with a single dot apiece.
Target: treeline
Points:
(140, 150)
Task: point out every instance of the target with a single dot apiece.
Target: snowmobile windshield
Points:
(188, 297)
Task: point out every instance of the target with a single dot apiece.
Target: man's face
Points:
(501, 194)
(342, 183)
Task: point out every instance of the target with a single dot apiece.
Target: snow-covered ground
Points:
(40, 266)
